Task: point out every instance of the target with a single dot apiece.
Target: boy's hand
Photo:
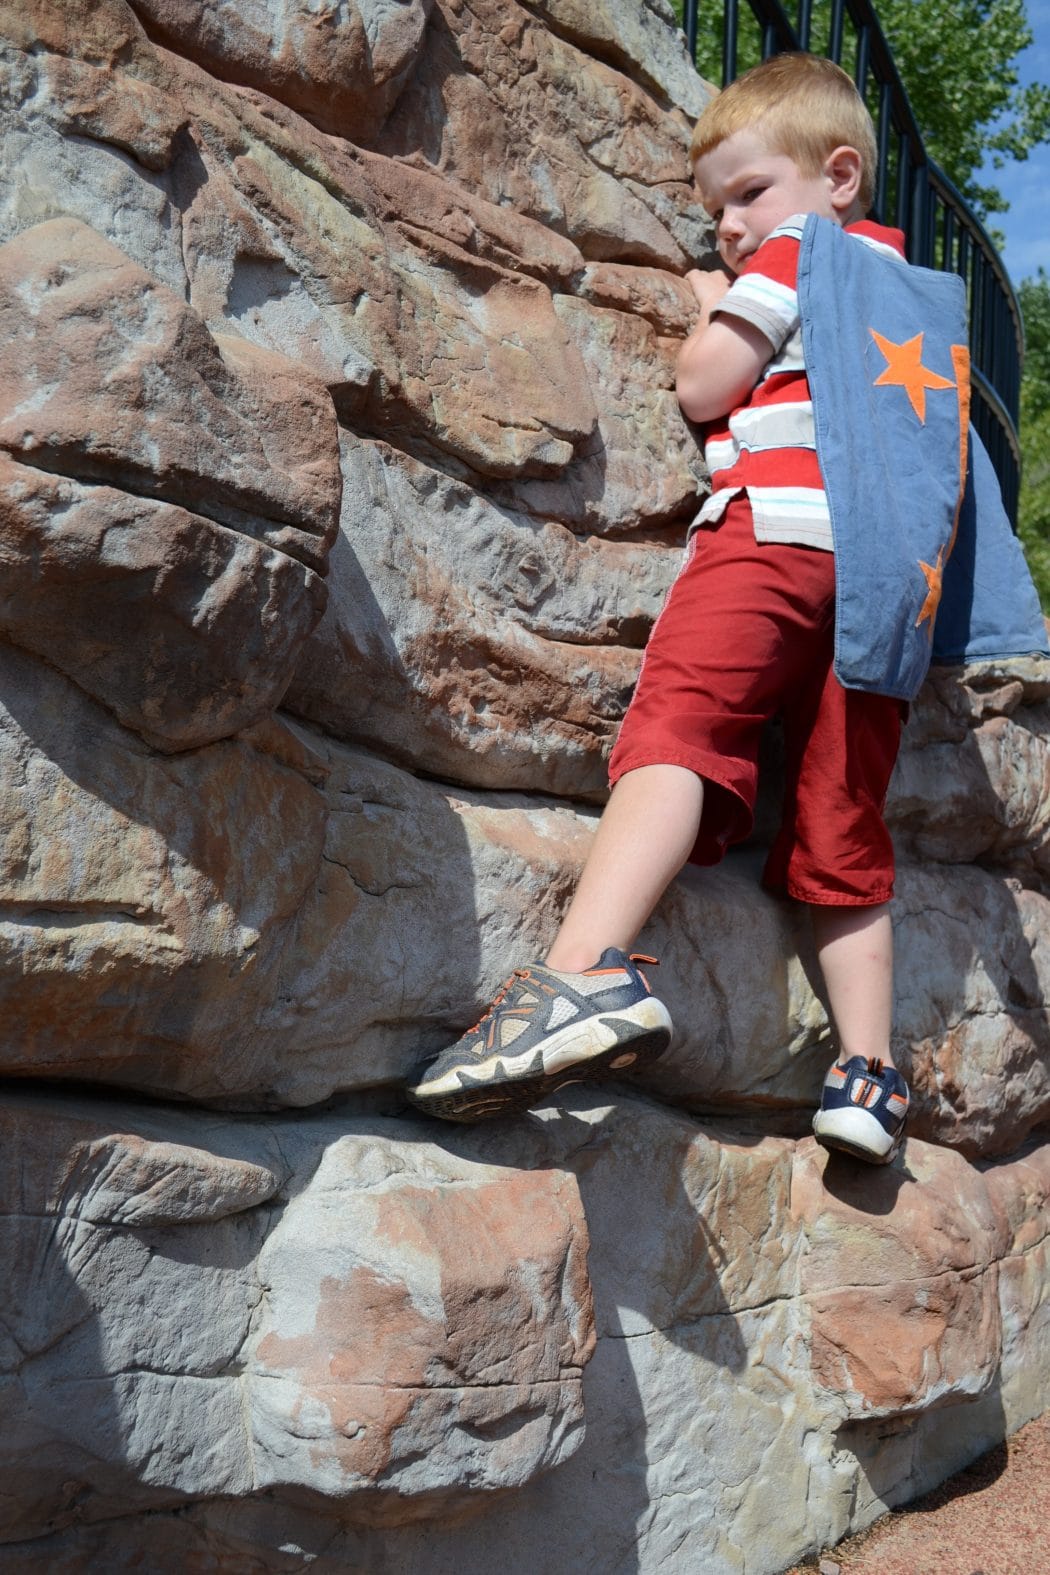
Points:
(708, 286)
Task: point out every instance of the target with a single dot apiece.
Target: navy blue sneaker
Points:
(863, 1109)
(546, 1029)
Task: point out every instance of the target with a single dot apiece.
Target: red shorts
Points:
(747, 633)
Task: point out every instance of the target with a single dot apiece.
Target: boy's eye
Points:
(752, 192)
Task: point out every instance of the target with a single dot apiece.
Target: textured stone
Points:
(284, 240)
(113, 170)
(724, 1266)
(643, 467)
(972, 977)
(144, 900)
(426, 1323)
(483, 375)
(185, 621)
(342, 66)
(973, 782)
(899, 1273)
(641, 39)
(185, 629)
(90, 72)
(449, 225)
(101, 1338)
(360, 856)
(410, 1323)
(661, 298)
(111, 377)
(495, 82)
(499, 650)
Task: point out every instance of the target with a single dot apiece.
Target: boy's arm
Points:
(721, 361)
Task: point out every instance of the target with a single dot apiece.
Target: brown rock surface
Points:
(973, 783)
(422, 1330)
(500, 649)
(605, 165)
(110, 375)
(90, 73)
(135, 921)
(360, 871)
(186, 630)
(167, 499)
(900, 1279)
(343, 67)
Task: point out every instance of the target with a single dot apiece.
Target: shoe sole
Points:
(856, 1132)
(569, 1057)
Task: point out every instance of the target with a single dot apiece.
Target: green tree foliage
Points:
(955, 58)
(1034, 519)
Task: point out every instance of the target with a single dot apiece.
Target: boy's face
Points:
(748, 190)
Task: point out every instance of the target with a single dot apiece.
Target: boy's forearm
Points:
(718, 365)
(709, 288)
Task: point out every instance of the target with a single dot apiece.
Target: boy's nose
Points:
(729, 226)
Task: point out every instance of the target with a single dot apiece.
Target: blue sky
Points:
(1027, 186)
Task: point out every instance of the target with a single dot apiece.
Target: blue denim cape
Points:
(920, 573)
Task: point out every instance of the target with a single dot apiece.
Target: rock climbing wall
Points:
(341, 478)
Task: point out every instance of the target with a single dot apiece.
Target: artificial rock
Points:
(341, 480)
(332, 1305)
(388, 1319)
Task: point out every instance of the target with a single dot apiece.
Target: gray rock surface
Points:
(393, 1319)
(207, 1309)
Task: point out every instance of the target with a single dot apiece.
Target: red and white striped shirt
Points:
(767, 446)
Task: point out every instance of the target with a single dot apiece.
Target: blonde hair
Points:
(804, 105)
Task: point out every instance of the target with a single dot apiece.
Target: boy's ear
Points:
(843, 169)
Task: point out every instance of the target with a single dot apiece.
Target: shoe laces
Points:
(501, 996)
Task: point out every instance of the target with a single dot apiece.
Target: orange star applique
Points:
(905, 370)
(928, 610)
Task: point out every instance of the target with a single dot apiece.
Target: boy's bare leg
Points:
(855, 950)
(541, 1032)
(643, 839)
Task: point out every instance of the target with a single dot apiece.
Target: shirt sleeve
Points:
(764, 292)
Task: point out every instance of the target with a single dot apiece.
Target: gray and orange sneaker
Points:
(543, 1030)
(863, 1109)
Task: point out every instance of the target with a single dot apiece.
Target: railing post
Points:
(863, 60)
(805, 22)
(948, 240)
(904, 180)
(729, 41)
(882, 189)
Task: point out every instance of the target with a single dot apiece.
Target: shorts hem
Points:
(826, 899)
(698, 764)
(725, 820)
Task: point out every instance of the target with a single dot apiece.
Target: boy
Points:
(748, 631)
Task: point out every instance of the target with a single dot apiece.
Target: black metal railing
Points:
(911, 191)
